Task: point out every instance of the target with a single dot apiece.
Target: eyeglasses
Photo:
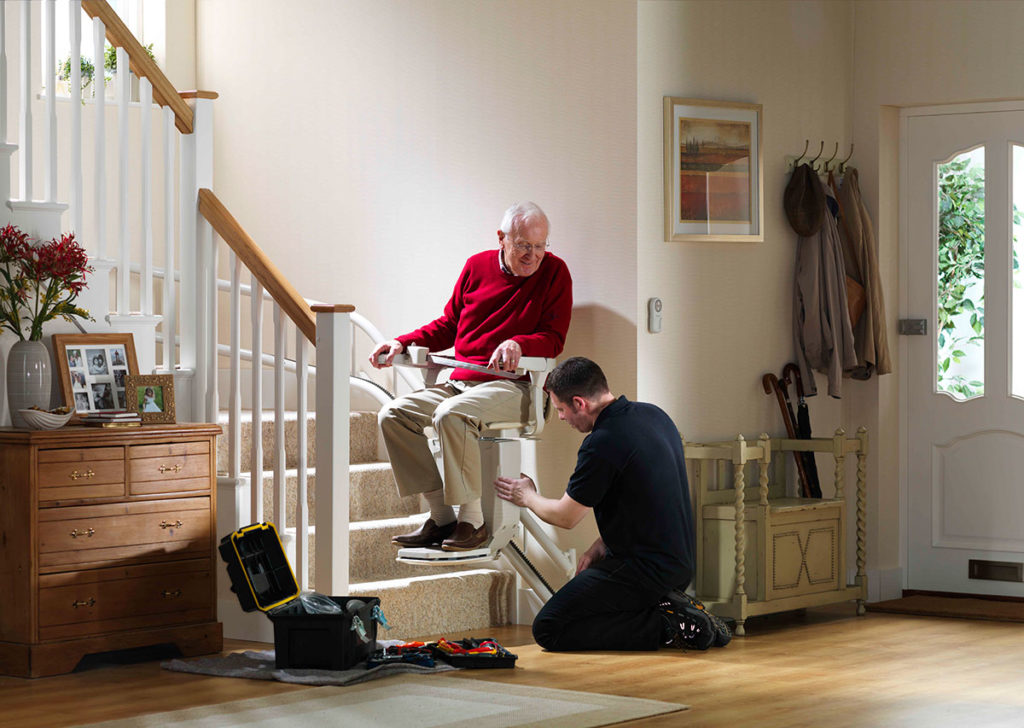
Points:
(524, 248)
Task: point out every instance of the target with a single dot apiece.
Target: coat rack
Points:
(817, 163)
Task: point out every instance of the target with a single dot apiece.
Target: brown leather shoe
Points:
(466, 538)
(429, 534)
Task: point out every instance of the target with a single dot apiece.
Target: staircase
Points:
(157, 266)
(417, 600)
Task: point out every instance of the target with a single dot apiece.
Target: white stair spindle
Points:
(235, 392)
(146, 109)
(25, 129)
(301, 496)
(3, 73)
(123, 80)
(212, 362)
(100, 141)
(75, 37)
(280, 454)
(50, 69)
(170, 319)
(256, 467)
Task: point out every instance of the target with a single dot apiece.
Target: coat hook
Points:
(820, 150)
(829, 160)
(807, 143)
(842, 165)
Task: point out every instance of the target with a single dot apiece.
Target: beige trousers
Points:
(458, 412)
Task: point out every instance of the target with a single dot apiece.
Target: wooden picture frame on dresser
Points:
(100, 388)
(109, 542)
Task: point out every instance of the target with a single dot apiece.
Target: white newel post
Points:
(196, 153)
(333, 352)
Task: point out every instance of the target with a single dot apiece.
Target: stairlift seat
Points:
(500, 452)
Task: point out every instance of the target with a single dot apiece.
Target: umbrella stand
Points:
(791, 375)
(771, 384)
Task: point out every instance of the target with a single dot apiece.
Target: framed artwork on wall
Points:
(713, 177)
(152, 396)
(93, 370)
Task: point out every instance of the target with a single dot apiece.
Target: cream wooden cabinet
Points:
(106, 542)
(760, 552)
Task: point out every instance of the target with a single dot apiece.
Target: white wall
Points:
(370, 147)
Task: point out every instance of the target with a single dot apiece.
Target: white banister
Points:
(212, 405)
(256, 368)
(75, 33)
(170, 319)
(25, 131)
(99, 142)
(146, 189)
(50, 74)
(123, 85)
(235, 388)
(333, 352)
(279, 450)
(302, 443)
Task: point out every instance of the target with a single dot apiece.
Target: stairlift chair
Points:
(502, 446)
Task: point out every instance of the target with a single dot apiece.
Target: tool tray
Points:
(501, 658)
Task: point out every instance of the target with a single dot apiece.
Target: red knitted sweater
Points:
(489, 306)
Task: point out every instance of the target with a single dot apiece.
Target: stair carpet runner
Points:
(417, 600)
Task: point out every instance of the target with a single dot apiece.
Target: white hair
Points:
(520, 214)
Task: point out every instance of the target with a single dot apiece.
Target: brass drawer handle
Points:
(87, 603)
(88, 533)
(176, 468)
(165, 524)
(75, 475)
(171, 594)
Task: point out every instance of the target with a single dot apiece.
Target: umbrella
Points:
(791, 375)
(771, 384)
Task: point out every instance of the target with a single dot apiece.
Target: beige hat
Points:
(804, 201)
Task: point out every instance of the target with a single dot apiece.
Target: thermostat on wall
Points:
(654, 315)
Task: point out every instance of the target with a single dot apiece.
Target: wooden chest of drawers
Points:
(107, 542)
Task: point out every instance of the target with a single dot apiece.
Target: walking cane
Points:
(771, 384)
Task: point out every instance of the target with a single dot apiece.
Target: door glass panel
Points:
(960, 333)
(1017, 251)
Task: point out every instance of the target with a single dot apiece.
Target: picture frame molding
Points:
(673, 169)
(166, 382)
(63, 342)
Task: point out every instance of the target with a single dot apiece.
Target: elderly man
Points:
(628, 590)
(509, 303)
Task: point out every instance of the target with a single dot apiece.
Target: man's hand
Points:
(390, 348)
(591, 556)
(515, 490)
(506, 357)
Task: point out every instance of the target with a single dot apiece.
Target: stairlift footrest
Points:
(436, 557)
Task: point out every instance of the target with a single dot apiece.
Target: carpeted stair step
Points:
(373, 494)
(453, 602)
(363, 439)
(373, 555)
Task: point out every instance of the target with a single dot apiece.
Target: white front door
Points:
(963, 168)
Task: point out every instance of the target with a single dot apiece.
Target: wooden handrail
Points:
(119, 36)
(258, 263)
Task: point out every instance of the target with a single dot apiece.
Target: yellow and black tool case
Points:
(263, 579)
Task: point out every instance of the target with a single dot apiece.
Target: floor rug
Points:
(949, 606)
(423, 701)
(259, 665)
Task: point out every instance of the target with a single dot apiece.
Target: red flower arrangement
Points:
(39, 282)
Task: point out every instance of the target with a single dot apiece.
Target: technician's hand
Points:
(390, 348)
(515, 490)
(506, 357)
(591, 556)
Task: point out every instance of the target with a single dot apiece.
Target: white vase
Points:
(28, 378)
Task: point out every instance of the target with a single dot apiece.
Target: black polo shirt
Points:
(630, 470)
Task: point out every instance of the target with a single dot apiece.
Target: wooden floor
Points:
(824, 667)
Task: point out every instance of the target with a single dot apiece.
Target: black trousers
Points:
(609, 606)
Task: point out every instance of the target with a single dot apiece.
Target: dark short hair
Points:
(576, 377)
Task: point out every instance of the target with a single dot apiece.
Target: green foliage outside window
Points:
(962, 271)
